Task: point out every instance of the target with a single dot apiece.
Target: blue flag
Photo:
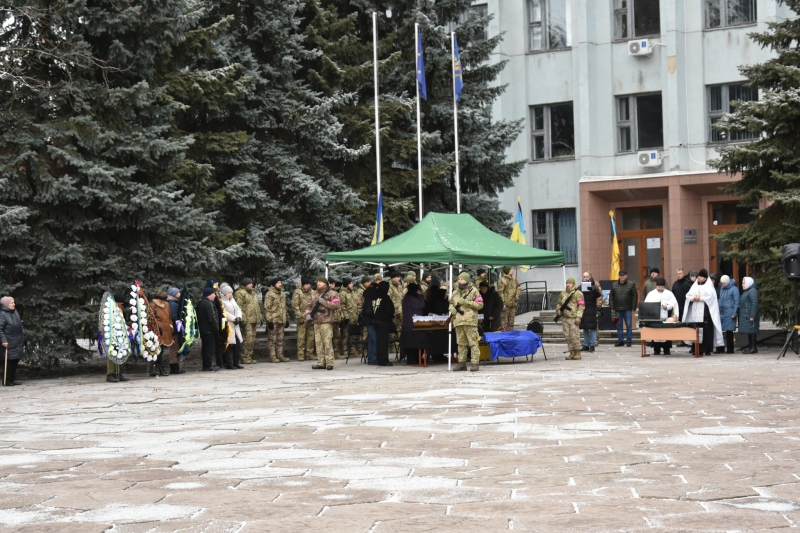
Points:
(457, 71)
(377, 235)
(423, 90)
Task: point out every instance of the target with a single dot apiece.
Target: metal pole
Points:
(377, 116)
(326, 270)
(419, 127)
(450, 325)
(455, 120)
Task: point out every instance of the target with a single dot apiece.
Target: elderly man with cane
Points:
(12, 336)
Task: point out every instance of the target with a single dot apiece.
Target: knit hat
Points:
(703, 273)
(712, 276)
(481, 271)
(571, 280)
(377, 277)
(225, 289)
(5, 301)
(365, 279)
(464, 276)
(410, 277)
(208, 291)
(322, 279)
(506, 269)
(725, 279)
(173, 291)
(246, 282)
(346, 282)
(273, 282)
(395, 274)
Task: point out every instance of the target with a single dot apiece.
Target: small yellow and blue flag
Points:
(377, 235)
(614, 248)
(518, 233)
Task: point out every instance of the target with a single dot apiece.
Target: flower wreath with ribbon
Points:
(112, 338)
(190, 327)
(143, 324)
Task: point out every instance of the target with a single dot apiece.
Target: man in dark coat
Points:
(411, 341)
(492, 307)
(383, 321)
(589, 319)
(679, 289)
(436, 299)
(12, 337)
(208, 324)
(623, 300)
(365, 319)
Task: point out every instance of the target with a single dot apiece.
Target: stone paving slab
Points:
(613, 442)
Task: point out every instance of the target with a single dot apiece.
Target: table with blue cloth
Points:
(513, 343)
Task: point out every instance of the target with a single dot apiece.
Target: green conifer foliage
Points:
(89, 162)
(769, 166)
(342, 31)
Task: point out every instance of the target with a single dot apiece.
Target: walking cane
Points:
(5, 368)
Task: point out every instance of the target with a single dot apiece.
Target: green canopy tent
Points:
(449, 238)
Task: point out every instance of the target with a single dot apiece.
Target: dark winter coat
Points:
(413, 304)
(728, 305)
(680, 288)
(365, 318)
(589, 320)
(12, 332)
(492, 307)
(748, 307)
(207, 318)
(383, 308)
(623, 296)
(436, 301)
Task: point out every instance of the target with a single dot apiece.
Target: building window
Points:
(549, 24)
(722, 13)
(640, 122)
(480, 11)
(722, 99)
(636, 18)
(557, 230)
(552, 131)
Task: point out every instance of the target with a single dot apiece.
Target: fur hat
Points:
(305, 281)
(208, 291)
(377, 277)
(464, 276)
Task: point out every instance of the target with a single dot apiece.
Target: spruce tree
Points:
(89, 162)
(769, 166)
(342, 30)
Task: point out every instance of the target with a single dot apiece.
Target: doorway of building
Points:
(726, 216)
(641, 242)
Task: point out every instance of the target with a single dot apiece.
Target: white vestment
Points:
(693, 311)
(667, 301)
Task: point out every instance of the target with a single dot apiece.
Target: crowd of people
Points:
(714, 303)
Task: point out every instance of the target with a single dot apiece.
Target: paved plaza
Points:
(613, 442)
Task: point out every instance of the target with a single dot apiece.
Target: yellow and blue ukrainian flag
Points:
(518, 233)
(614, 248)
(377, 235)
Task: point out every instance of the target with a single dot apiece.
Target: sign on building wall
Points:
(690, 236)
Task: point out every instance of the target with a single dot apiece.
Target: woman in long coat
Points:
(749, 317)
(411, 341)
(728, 309)
(589, 319)
(12, 337)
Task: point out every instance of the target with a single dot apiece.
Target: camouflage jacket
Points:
(248, 302)
(576, 305)
(465, 298)
(508, 289)
(349, 309)
(275, 306)
(327, 311)
(359, 296)
(396, 293)
(300, 300)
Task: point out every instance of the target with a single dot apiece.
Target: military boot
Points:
(475, 367)
(461, 367)
(577, 355)
(571, 355)
(272, 358)
(281, 358)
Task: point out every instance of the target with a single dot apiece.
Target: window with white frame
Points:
(722, 99)
(640, 122)
(549, 24)
(552, 131)
(723, 13)
(556, 230)
(636, 18)
(480, 10)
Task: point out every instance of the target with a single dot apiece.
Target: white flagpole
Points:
(377, 116)
(455, 119)
(419, 130)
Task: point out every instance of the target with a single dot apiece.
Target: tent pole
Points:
(564, 273)
(450, 325)
(326, 270)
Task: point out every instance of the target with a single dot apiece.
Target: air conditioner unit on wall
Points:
(641, 47)
(651, 158)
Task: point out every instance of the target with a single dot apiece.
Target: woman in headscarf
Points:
(12, 337)
(749, 317)
(234, 315)
(411, 341)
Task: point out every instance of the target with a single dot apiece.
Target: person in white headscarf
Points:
(749, 317)
(701, 307)
(669, 307)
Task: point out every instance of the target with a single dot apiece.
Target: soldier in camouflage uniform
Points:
(425, 282)
(323, 304)
(509, 291)
(366, 281)
(305, 330)
(348, 310)
(247, 299)
(465, 303)
(396, 293)
(277, 319)
(569, 310)
(338, 353)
